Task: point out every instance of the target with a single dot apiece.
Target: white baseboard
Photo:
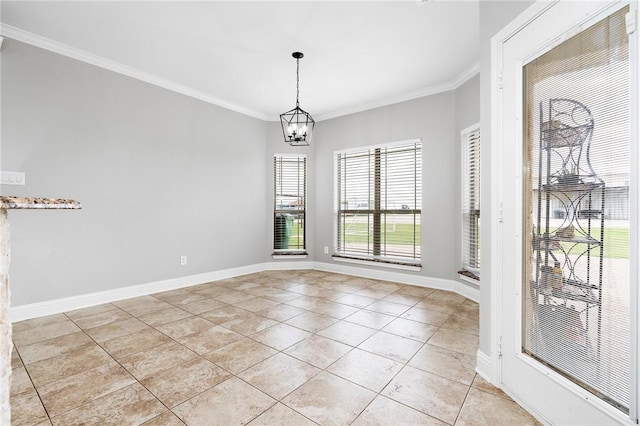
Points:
(40, 309)
(484, 367)
(50, 307)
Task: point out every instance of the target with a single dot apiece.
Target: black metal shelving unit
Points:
(568, 236)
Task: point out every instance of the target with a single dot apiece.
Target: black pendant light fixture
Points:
(297, 124)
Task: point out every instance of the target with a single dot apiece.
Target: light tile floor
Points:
(274, 348)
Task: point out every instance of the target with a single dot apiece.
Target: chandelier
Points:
(297, 124)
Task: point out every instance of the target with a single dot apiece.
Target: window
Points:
(378, 203)
(290, 203)
(471, 202)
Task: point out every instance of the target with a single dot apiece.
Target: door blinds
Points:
(576, 300)
(290, 203)
(378, 203)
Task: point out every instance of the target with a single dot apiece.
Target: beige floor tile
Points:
(366, 369)
(164, 316)
(30, 333)
(185, 327)
(56, 346)
(411, 329)
(183, 298)
(485, 409)
(446, 298)
(391, 346)
(281, 312)
(387, 307)
(102, 318)
(134, 342)
(370, 319)
(384, 412)
(232, 297)
(456, 341)
(481, 384)
(281, 415)
(20, 381)
(146, 307)
(415, 291)
(201, 306)
(210, 339)
(445, 363)
(40, 322)
(318, 351)
(329, 400)
(232, 402)
(280, 336)
(434, 305)
(184, 381)
(356, 301)
(256, 304)
(250, 324)
(465, 319)
(373, 293)
(78, 389)
(26, 409)
(403, 299)
(280, 296)
(312, 322)
(240, 355)
(131, 405)
(279, 375)
(427, 316)
(52, 369)
(210, 290)
(225, 314)
(152, 361)
(332, 309)
(165, 419)
(433, 395)
(91, 310)
(346, 332)
(116, 329)
(16, 362)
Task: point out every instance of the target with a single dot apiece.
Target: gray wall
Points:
(432, 118)
(159, 175)
(494, 15)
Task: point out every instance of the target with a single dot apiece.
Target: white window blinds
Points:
(577, 304)
(290, 203)
(378, 199)
(471, 202)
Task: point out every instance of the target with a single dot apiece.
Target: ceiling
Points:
(358, 55)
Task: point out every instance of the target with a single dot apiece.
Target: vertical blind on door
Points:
(378, 199)
(290, 203)
(471, 201)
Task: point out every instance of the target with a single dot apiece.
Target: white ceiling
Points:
(358, 55)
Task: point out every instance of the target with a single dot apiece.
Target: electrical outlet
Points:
(326, 250)
(183, 260)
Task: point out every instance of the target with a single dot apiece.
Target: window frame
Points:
(300, 212)
(470, 217)
(374, 255)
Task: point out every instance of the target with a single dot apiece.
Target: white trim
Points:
(471, 281)
(289, 256)
(287, 266)
(56, 306)
(484, 366)
(466, 75)
(117, 67)
(379, 264)
(471, 292)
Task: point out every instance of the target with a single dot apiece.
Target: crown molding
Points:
(465, 76)
(27, 37)
(23, 36)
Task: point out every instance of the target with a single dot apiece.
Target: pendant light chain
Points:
(297, 81)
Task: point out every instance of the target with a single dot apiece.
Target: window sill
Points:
(469, 277)
(379, 263)
(289, 256)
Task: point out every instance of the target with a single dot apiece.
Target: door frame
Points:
(497, 175)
